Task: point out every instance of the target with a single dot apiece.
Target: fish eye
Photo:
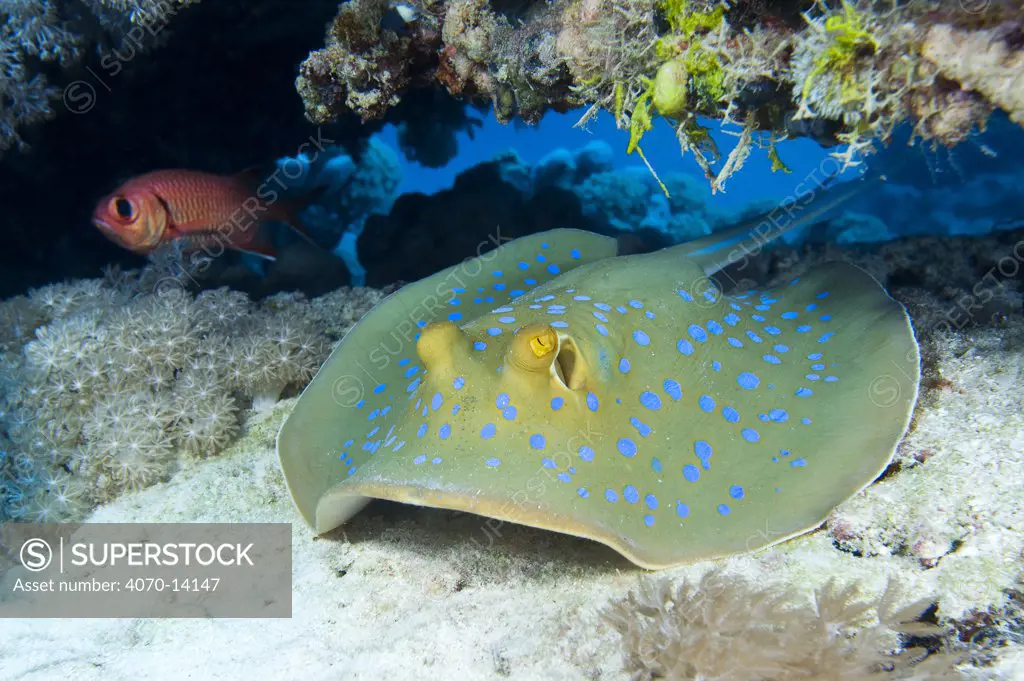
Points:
(123, 207)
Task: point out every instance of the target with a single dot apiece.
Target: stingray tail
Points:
(721, 249)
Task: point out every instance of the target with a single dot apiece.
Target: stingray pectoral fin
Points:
(349, 412)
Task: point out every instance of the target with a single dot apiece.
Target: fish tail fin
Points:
(721, 249)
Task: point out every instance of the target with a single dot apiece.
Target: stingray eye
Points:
(124, 208)
(534, 347)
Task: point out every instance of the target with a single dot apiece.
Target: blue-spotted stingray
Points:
(625, 399)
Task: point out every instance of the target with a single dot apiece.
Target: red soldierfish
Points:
(210, 211)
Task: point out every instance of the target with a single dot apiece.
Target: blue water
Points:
(754, 182)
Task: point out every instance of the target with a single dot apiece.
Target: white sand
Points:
(419, 594)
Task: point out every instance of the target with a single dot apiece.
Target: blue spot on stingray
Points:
(656, 465)
(818, 367)
(723, 509)
(493, 462)
(611, 495)
(685, 296)
(498, 273)
(649, 314)
(691, 473)
(523, 265)
(479, 345)
(560, 325)
(781, 349)
(778, 415)
(825, 337)
(624, 365)
(422, 458)
(736, 492)
(601, 329)
(748, 381)
(823, 294)
(537, 441)
(603, 306)
(380, 388)
(600, 316)
(636, 304)
(757, 317)
(812, 377)
(831, 379)
(673, 389)
(730, 414)
(575, 254)
(586, 453)
(682, 510)
(581, 297)
(815, 355)
(507, 320)
(772, 359)
(640, 426)
(803, 392)
(435, 401)
(547, 463)
(806, 421)
(564, 477)
(788, 315)
(422, 430)
(697, 333)
(456, 408)
(494, 331)
(797, 463)
(592, 402)
(509, 413)
(735, 342)
(445, 432)
(458, 383)
(753, 336)
(503, 401)
(826, 318)
(651, 502)
(556, 403)
(455, 316)
(402, 362)
(488, 431)
(411, 371)
(803, 328)
(706, 403)
(530, 282)
(620, 309)
(650, 400)
(703, 450)
(714, 327)
(582, 491)
(684, 346)
(553, 268)
(421, 324)
(541, 258)
(750, 435)
(627, 447)
(731, 319)
(630, 494)
(641, 338)
(762, 308)
(773, 330)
